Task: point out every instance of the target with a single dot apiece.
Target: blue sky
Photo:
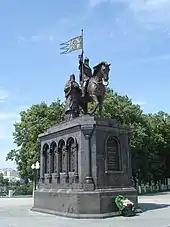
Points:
(133, 35)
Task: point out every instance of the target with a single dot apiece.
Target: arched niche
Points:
(62, 155)
(45, 157)
(112, 155)
(53, 161)
(71, 154)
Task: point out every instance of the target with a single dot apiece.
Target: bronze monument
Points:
(91, 89)
(85, 161)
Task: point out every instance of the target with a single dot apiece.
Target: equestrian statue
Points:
(92, 88)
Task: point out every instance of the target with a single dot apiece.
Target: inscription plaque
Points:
(112, 154)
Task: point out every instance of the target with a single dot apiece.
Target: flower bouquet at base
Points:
(125, 206)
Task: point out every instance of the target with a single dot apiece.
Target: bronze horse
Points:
(96, 88)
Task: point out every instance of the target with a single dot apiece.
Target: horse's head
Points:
(102, 69)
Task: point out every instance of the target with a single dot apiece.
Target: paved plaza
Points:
(16, 212)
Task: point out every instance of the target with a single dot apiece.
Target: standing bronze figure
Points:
(72, 94)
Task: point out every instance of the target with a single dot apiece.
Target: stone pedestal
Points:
(84, 164)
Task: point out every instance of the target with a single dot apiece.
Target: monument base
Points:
(71, 203)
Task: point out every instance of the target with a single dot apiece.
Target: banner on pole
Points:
(72, 45)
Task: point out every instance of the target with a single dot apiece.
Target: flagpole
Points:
(82, 53)
(82, 34)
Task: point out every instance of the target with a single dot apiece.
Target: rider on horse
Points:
(85, 74)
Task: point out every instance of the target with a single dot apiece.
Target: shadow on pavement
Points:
(152, 206)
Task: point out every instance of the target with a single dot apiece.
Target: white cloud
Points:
(64, 21)
(156, 12)
(144, 11)
(21, 39)
(5, 147)
(6, 129)
(94, 3)
(4, 116)
(4, 94)
(151, 11)
(51, 37)
(136, 5)
(147, 5)
(163, 57)
(21, 108)
(6, 141)
(141, 103)
(4, 135)
(6, 124)
(35, 38)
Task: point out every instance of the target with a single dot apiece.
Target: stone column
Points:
(88, 131)
(76, 175)
(41, 166)
(58, 164)
(47, 157)
(50, 167)
(55, 161)
(67, 163)
(40, 150)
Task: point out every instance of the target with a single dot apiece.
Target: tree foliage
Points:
(25, 189)
(150, 141)
(33, 122)
(4, 181)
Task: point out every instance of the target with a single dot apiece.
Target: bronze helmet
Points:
(72, 76)
(86, 59)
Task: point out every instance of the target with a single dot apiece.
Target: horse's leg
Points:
(100, 104)
(84, 107)
(95, 100)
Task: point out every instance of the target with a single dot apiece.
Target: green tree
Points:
(159, 144)
(151, 152)
(1, 180)
(33, 122)
(6, 182)
(150, 142)
(120, 108)
(26, 189)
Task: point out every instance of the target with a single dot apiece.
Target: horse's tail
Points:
(94, 110)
